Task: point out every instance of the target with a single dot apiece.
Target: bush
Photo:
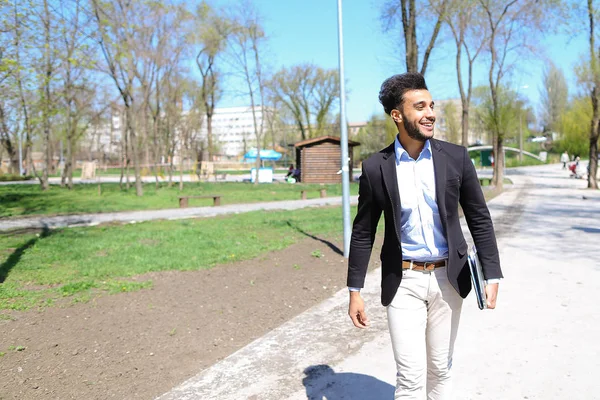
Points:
(14, 177)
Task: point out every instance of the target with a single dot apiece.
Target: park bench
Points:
(183, 200)
(322, 193)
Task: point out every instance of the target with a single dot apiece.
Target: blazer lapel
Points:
(439, 169)
(388, 171)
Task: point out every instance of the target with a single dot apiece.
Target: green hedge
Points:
(10, 178)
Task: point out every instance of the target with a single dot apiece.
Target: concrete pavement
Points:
(540, 343)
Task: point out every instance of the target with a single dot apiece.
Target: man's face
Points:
(417, 114)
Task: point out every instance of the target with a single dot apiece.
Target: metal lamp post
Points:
(344, 139)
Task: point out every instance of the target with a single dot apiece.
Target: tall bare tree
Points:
(159, 51)
(246, 44)
(409, 12)
(211, 37)
(513, 26)
(76, 95)
(9, 131)
(465, 21)
(118, 23)
(46, 96)
(309, 93)
(554, 96)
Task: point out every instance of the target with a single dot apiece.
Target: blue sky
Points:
(306, 31)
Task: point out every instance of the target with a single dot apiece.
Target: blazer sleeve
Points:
(363, 232)
(479, 220)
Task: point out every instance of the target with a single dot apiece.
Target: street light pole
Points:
(520, 139)
(344, 139)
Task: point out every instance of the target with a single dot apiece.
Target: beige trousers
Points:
(423, 321)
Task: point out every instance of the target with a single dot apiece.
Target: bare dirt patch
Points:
(139, 345)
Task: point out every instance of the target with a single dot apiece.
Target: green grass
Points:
(39, 269)
(21, 200)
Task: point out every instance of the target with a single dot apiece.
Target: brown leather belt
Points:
(423, 266)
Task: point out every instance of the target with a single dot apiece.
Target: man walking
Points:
(564, 158)
(418, 183)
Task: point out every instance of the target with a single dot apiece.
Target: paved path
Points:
(174, 213)
(540, 343)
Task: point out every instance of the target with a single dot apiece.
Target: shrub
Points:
(14, 177)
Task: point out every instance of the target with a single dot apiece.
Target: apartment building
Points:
(233, 129)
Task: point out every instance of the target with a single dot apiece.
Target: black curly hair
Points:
(391, 94)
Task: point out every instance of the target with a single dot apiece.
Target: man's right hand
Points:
(356, 310)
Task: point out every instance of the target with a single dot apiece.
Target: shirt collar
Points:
(400, 151)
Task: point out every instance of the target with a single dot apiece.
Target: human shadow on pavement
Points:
(16, 255)
(328, 243)
(322, 381)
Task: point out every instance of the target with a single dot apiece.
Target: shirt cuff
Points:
(492, 281)
(353, 289)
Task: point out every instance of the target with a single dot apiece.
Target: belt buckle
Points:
(430, 268)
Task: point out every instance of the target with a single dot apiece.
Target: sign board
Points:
(265, 175)
(88, 170)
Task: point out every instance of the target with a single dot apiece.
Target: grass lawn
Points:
(22, 200)
(38, 268)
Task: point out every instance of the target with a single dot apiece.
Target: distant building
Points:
(319, 159)
(354, 127)
(233, 129)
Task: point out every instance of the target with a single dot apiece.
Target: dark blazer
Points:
(456, 183)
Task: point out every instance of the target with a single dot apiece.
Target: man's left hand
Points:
(491, 293)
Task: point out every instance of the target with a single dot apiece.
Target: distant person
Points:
(574, 168)
(564, 158)
(290, 171)
(417, 182)
(293, 174)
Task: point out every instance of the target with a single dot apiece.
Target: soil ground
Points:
(139, 345)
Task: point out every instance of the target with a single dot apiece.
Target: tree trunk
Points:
(181, 171)
(71, 161)
(123, 158)
(594, 133)
(209, 137)
(46, 100)
(465, 125)
(409, 27)
(499, 163)
(8, 144)
(139, 190)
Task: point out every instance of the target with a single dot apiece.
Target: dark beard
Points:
(413, 131)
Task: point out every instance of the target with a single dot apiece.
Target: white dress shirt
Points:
(422, 233)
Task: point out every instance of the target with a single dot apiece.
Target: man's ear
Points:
(396, 116)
